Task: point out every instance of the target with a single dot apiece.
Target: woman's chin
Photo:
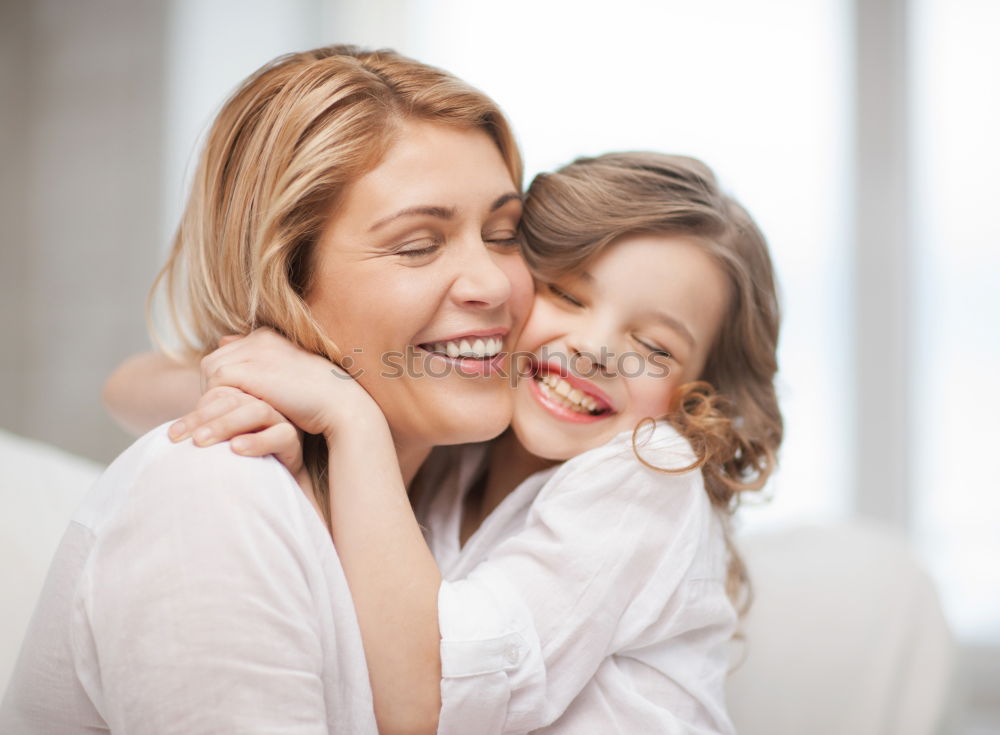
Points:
(483, 427)
(465, 422)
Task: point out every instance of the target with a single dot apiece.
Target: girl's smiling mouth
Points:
(567, 396)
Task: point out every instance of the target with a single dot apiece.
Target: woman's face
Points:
(418, 278)
(607, 348)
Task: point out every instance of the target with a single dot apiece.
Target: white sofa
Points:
(40, 488)
(845, 636)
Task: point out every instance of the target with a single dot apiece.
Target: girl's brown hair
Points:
(277, 158)
(731, 414)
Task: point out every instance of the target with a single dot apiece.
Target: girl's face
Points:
(419, 265)
(608, 347)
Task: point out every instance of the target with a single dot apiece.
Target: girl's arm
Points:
(606, 544)
(150, 388)
(392, 575)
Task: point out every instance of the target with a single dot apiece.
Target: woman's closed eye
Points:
(504, 238)
(416, 248)
(428, 245)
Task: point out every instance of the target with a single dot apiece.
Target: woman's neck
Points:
(411, 456)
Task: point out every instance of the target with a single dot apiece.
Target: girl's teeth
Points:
(566, 395)
(478, 348)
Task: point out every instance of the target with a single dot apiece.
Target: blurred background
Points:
(862, 134)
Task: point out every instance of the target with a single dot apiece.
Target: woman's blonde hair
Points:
(731, 414)
(276, 160)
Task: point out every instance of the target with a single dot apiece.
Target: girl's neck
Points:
(509, 464)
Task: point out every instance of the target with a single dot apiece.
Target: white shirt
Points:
(590, 601)
(195, 592)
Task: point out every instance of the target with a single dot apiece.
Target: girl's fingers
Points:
(230, 351)
(232, 373)
(282, 440)
(213, 404)
(251, 416)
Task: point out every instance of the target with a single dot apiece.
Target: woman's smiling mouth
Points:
(479, 348)
(472, 353)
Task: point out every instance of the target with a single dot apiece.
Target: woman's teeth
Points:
(479, 347)
(566, 395)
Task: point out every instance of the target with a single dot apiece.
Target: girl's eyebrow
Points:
(653, 315)
(660, 317)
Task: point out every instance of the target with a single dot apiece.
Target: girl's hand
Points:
(310, 391)
(253, 428)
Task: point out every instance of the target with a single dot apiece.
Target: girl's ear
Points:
(223, 341)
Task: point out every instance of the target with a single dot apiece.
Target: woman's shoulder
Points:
(155, 473)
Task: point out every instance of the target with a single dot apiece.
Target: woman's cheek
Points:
(522, 287)
(536, 324)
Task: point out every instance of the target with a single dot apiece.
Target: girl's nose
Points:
(588, 357)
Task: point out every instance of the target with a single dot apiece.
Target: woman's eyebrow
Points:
(504, 198)
(440, 212)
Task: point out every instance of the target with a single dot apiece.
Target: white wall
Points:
(82, 101)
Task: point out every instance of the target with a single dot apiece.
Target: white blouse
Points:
(197, 592)
(590, 601)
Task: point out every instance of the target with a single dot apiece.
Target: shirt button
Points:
(510, 652)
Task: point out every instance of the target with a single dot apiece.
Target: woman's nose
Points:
(481, 280)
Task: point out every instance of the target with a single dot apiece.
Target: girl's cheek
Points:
(651, 396)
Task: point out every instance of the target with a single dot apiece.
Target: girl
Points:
(584, 552)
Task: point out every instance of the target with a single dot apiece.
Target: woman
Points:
(192, 592)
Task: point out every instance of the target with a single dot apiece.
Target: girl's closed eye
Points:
(564, 295)
(653, 348)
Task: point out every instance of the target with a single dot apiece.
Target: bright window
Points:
(760, 92)
(956, 152)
